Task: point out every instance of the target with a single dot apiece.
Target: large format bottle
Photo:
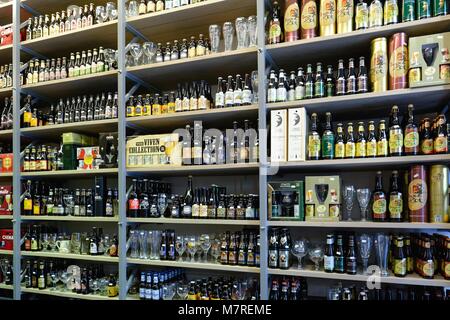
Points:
(379, 203)
(27, 202)
(314, 140)
(133, 201)
(339, 259)
(411, 136)
(273, 249)
(327, 17)
(188, 200)
(328, 139)
(395, 134)
(395, 199)
(308, 19)
(275, 31)
(284, 249)
(291, 20)
(329, 255)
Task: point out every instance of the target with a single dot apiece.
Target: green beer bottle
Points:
(328, 139)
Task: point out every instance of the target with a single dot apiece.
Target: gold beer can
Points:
(344, 17)
(327, 17)
(438, 193)
(379, 65)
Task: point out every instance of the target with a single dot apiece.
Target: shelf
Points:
(362, 163)
(370, 104)
(6, 54)
(5, 92)
(6, 217)
(6, 286)
(412, 279)
(361, 225)
(6, 135)
(68, 294)
(6, 252)
(72, 256)
(195, 221)
(194, 265)
(5, 175)
(193, 19)
(6, 13)
(304, 51)
(103, 34)
(55, 131)
(69, 173)
(215, 169)
(70, 218)
(180, 119)
(50, 6)
(165, 75)
(70, 86)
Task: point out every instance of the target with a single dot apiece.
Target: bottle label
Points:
(412, 140)
(273, 258)
(291, 18)
(155, 294)
(109, 210)
(328, 146)
(426, 268)
(27, 204)
(371, 148)
(283, 259)
(446, 269)
(345, 11)
(237, 97)
(398, 63)
(395, 141)
(133, 204)
(274, 32)
(27, 117)
(328, 263)
(195, 210)
(395, 206)
(408, 10)
(375, 14)
(221, 212)
(400, 266)
(410, 264)
(351, 264)
(440, 144)
(379, 208)
(220, 99)
(319, 89)
(417, 194)
(382, 148)
(339, 264)
(309, 90)
(281, 94)
(350, 150)
(327, 13)
(427, 146)
(378, 68)
(309, 15)
(339, 150)
(314, 146)
(391, 12)
(361, 149)
(362, 83)
(203, 211)
(34, 244)
(300, 92)
(37, 209)
(246, 96)
(41, 283)
(187, 211)
(249, 213)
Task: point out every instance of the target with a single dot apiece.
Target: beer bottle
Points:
(41, 276)
(309, 85)
(275, 30)
(375, 14)
(361, 143)
(344, 19)
(411, 140)
(247, 91)
(361, 16)
(76, 68)
(284, 261)
(395, 199)
(273, 249)
(350, 147)
(314, 140)
(409, 255)
(446, 260)
(379, 206)
(399, 256)
(439, 8)
(281, 88)
(330, 82)
(350, 259)
(319, 83)
(231, 208)
(329, 255)
(26, 122)
(309, 23)
(351, 78)
(291, 20)
(395, 134)
(292, 84)
(327, 17)
(328, 139)
(440, 141)
(426, 264)
(133, 201)
(339, 259)
(340, 81)
(371, 144)
(274, 294)
(27, 202)
(339, 146)
(390, 12)
(382, 144)
(426, 145)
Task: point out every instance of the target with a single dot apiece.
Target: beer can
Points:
(390, 12)
(418, 194)
(361, 16)
(308, 19)
(375, 14)
(423, 9)
(439, 193)
(408, 10)
(344, 16)
(439, 7)
(398, 61)
(327, 17)
(379, 65)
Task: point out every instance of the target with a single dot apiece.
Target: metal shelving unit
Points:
(71, 256)
(178, 23)
(68, 294)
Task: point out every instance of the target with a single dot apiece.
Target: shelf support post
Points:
(122, 175)
(16, 150)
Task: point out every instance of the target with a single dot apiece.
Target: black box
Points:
(108, 142)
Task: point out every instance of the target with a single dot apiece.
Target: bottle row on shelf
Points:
(50, 239)
(419, 194)
(136, 8)
(6, 76)
(294, 20)
(229, 248)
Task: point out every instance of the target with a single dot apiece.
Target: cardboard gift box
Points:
(88, 158)
(286, 201)
(322, 198)
(6, 206)
(297, 133)
(6, 162)
(278, 135)
(6, 239)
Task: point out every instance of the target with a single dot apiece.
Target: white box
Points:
(297, 133)
(278, 135)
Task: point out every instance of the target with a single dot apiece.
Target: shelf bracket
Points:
(129, 191)
(33, 53)
(24, 66)
(30, 9)
(134, 40)
(141, 82)
(24, 24)
(131, 279)
(132, 91)
(35, 95)
(135, 32)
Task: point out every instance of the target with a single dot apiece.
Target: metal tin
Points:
(439, 8)
(308, 19)
(327, 17)
(375, 14)
(344, 16)
(408, 10)
(398, 61)
(438, 193)
(418, 194)
(379, 65)
(361, 16)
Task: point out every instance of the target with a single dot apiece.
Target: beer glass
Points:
(134, 244)
(348, 197)
(52, 242)
(215, 249)
(364, 243)
(228, 35)
(180, 246)
(111, 10)
(241, 32)
(316, 256)
(103, 14)
(205, 245)
(85, 243)
(64, 276)
(214, 36)
(381, 252)
(168, 292)
(182, 290)
(154, 237)
(299, 250)
(252, 27)
(54, 279)
(75, 243)
(143, 244)
(149, 49)
(133, 9)
(363, 196)
(136, 52)
(192, 247)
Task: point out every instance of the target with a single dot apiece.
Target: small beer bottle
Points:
(339, 145)
(309, 85)
(300, 89)
(440, 140)
(426, 145)
(330, 82)
(390, 12)
(350, 148)
(362, 76)
(340, 81)
(400, 263)
(314, 140)
(382, 144)
(319, 83)
(351, 78)
(361, 141)
(328, 139)
(371, 144)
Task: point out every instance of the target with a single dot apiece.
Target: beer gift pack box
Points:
(88, 158)
(322, 198)
(297, 133)
(6, 239)
(278, 135)
(6, 162)
(6, 200)
(429, 60)
(289, 204)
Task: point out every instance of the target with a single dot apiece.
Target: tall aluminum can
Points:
(438, 193)
(398, 61)
(379, 65)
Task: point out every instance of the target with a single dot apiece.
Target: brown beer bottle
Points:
(291, 20)
(411, 134)
(395, 200)
(426, 145)
(379, 205)
(308, 19)
(400, 263)
(275, 31)
(440, 140)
